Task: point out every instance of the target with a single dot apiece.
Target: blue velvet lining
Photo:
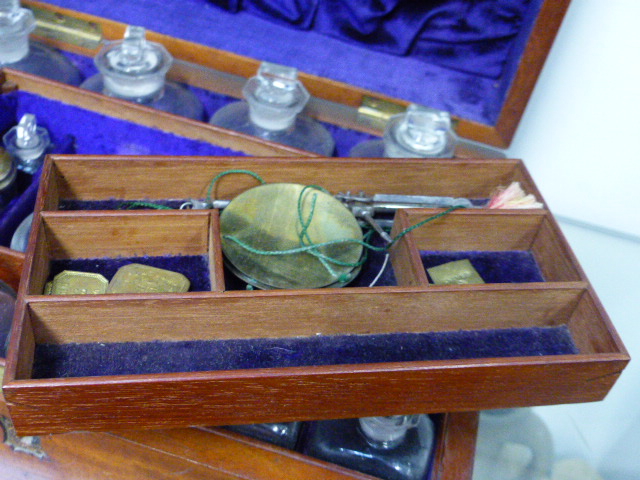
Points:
(453, 55)
(99, 359)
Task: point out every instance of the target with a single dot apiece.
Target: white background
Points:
(580, 138)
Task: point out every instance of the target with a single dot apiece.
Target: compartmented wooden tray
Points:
(223, 453)
(534, 334)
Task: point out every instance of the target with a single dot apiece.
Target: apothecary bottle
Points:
(420, 132)
(18, 52)
(281, 434)
(7, 178)
(7, 306)
(391, 448)
(274, 100)
(28, 143)
(134, 69)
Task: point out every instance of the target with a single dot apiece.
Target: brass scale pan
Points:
(266, 219)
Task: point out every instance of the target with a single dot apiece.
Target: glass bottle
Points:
(420, 132)
(134, 69)
(7, 178)
(7, 306)
(281, 434)
(512, 444)
(391, 448)
(16, 51)
(271, 110)
(27, 143)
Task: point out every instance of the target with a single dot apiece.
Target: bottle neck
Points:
(420, 132)
(15, 26)
(27, 142)
(387, 432)
(275, 97)
(133, 68)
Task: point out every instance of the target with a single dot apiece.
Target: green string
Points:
(314, 246)
(136, 205)
(228, 172)
(306, 243)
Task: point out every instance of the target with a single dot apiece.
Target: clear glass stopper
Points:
(15, 26)
(27, 143)
(387, 432)
(419, 132)
(275, 96)
(133, 68)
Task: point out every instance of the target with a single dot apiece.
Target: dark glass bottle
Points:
(281, 434)
(391, 448)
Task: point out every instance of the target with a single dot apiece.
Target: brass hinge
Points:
(375, 112)
(64, 28)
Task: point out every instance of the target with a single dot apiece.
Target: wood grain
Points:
(11, 263)
(294, 313)
(90, 177)
(305, 393)
(453, 460)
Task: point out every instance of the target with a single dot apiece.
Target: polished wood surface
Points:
(190, 453)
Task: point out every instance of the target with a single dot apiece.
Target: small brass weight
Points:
(262, 226)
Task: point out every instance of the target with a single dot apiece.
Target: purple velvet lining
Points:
(494, 267)
(194, 267)
(485, 37)
(99, 359)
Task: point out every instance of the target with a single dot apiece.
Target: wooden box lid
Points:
(558, 298)
(219, 50)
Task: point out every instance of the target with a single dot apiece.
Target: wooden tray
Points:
(254, 395)
(335, 102)
(194, 452)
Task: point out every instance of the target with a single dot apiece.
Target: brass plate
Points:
(64, 28)
(266, 218)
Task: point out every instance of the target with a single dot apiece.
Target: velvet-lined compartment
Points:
(502, 246)
(467, 54)
(248, 338)
(138, 358)
(182, 242)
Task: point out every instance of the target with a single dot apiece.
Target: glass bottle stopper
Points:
(133, 68)
(275, 96)
(387, 432)
(15, 26)
(419, 132)
(27, 142)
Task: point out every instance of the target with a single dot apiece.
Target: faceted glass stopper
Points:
(419, 132)
(387, 432)
(275, 96)
(134, 68)
(27, 143)
(15, 26)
